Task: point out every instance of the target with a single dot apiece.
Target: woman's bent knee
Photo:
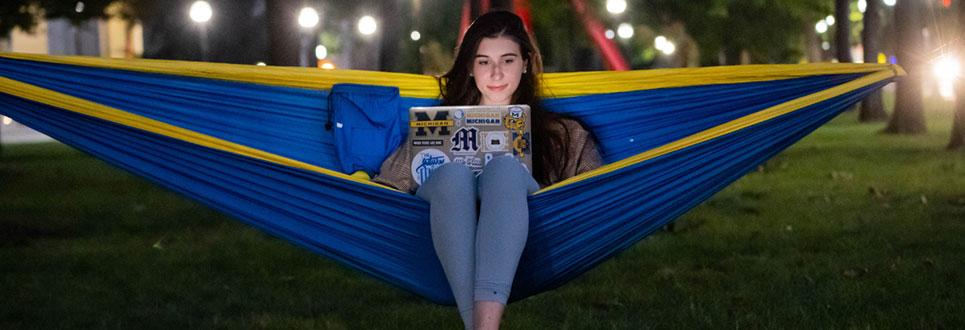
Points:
(505, 172)
(451, 180)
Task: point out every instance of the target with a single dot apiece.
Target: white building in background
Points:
(111, 37)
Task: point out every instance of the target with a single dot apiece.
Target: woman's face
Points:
(497, 69)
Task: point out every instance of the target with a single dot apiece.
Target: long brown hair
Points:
(458, 88)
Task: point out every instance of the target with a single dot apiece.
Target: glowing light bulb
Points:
(200, 11)
(625, 31)
(659, 42)
(367, 25)
(616, 6)
(668, 48)
(308, 17)
(821, 27)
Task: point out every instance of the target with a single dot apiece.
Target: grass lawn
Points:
(847, 229)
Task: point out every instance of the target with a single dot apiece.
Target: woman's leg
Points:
(501, 235)
(451, 193)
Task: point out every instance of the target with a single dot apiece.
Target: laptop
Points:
(470, 135)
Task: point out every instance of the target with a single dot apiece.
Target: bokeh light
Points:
(367, 25)
(625, 31)
(616, 6)
(200, 11)
(308, 17)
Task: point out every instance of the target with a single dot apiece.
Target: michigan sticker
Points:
(465, 141)
(436, 125)
(484, 118)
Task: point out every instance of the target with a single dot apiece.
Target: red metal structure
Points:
(594, 28)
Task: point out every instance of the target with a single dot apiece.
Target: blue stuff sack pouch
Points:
(368, 125)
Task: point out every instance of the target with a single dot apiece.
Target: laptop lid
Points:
(470, 135)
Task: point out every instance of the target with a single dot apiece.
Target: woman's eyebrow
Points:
(507, 54)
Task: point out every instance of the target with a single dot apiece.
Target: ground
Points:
(849, 228)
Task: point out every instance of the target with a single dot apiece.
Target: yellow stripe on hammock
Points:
(424, 86)
(731, 126)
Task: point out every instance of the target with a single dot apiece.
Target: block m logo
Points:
(440, 122)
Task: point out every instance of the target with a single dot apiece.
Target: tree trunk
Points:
(283, 34)
(872, 109)
(391, 37)
(908, 117)
(732, 55)
(957, 141)
(842, 33)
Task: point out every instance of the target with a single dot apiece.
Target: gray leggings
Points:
(479, 253)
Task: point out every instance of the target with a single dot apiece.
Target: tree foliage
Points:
(770, 31)
(24, 14)
(17, 14)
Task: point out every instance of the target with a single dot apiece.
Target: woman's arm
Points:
(589, 158)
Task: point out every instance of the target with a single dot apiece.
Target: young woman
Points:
(479, 248)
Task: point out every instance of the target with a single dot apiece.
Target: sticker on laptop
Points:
(513, 123)
(472, 162)
(516, 112)
(437, 124)
(495, 141)
(427, 143)
(521, 144)
(465, 141)
(457, 115)
(484, 118)
(425, 162)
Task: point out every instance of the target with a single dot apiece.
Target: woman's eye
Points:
(509, 61)
(482, 62)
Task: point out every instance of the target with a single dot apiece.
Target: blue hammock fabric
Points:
(385, 233)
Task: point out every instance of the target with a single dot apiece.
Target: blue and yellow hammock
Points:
(251, 141)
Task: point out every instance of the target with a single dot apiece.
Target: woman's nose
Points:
(497, 72)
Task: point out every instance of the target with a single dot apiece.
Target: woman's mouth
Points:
(496, 88)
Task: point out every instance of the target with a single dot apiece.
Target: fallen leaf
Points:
(841, 175)
(878, 193)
